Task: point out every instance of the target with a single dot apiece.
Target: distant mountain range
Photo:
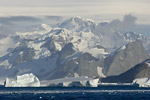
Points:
(75, 47)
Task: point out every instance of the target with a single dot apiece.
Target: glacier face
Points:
(72, 47)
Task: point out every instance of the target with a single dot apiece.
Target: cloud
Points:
(19, 18)
(127, 25)
(13, 24)
(129, 19)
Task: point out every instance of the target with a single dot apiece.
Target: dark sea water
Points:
(74, 93)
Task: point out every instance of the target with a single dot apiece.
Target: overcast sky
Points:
(100, 8)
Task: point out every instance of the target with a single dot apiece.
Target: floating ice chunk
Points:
(93, 83)
(142, 82)
(26, 80)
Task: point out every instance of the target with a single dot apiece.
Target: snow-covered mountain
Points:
(37, 52)
(73, 48)
(112, 35)
(115, 34)
(79, 24)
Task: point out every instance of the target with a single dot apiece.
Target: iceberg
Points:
(26, 80)
(93, 82)
(142, 82)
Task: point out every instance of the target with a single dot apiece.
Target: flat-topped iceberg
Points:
(142, 82)
(26, 80)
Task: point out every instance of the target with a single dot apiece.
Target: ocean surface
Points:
(74, 93)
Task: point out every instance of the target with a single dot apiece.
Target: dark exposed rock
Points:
(83, 64)
(141, 70)
(124, 58)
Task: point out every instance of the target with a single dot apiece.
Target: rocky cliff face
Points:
(124, 58)
(72, 63)
(141, 70)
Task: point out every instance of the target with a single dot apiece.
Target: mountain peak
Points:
(78, 24)
(77, 18)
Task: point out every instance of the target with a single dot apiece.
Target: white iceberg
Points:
(93, 82)
(74, 84)
(26, 80)
(142, 82)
